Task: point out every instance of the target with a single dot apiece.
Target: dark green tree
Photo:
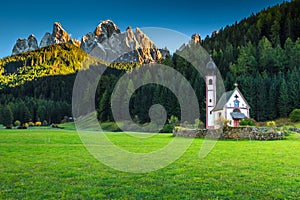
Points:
(7, 117)
(283, 103)
(104, 107)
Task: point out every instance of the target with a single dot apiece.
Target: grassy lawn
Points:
(53, 163)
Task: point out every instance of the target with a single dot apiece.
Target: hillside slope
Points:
(53, 60)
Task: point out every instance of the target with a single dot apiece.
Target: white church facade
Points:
(231, 106)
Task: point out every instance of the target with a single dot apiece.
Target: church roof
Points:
(237, 115)
(223, 100)
(211, 67)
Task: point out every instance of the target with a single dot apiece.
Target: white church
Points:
(231, 106)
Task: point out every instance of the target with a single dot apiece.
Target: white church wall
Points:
(228, 116)
(210, 100)
(210, 118)
(242, 103)
(219, 116)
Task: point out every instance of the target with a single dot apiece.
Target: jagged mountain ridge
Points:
(106, 42)
(59, 35)
(23, 45)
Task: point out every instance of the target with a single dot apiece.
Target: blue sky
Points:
(19, 19)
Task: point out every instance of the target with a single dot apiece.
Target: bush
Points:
(167, 128)
(45, 123)
(26, 125)
(247, 122)
(30, 124)
(282, 121)
(17, 123)
(271, 124)
(173, 120)
(38, 124)
(199, 124)
(295, 115)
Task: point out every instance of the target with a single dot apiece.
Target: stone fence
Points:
(297, 130)
(253, 133)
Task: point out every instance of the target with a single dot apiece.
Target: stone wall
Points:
(253, 133)
(297, 130)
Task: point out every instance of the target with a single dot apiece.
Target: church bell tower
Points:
(210, 80)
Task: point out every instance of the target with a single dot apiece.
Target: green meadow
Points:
(40, 163)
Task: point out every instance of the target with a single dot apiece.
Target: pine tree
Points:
(7, 117)
(261, 114)
(288, 47)
(272, 101)
(246, 62)
(283, 103)
(275, 29)
(279, 60)
(26, 114)
(265, 52)
(104, 107)
(293, 89)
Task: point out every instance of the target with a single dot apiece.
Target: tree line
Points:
(261, 53)
(271, 90)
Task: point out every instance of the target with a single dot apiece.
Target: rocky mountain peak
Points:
(129, 28)
(106, 29)
(143, 39)
(196, 38)
(106, 41)
(23, 45)
(59, 35)
(57, 25)
(31, 36)
(165, 52)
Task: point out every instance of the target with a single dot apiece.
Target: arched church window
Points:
(236, 110)
(236, 103)
(210, 82)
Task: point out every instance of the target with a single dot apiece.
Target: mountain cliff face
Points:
(59, 35)
(109, 44)
(23, 45)
(105, 42)
(196, 38)
(103, 31)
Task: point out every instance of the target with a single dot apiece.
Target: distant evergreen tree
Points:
(272, 100)
(26, 115)
(293, 89)
(283, 103)
(7, 117)
(104, 107)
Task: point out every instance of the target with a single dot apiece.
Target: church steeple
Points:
(210, 80)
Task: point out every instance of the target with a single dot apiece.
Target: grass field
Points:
(41, 163)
